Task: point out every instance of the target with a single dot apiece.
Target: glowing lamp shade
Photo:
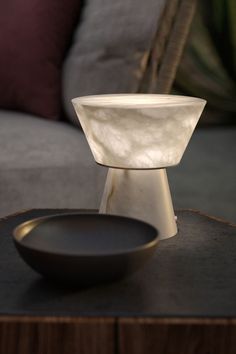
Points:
(138, 136)
(138, 131)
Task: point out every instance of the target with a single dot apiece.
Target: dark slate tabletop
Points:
(191, 275)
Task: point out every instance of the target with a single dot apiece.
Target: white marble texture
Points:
(138, 131)
(141, 194)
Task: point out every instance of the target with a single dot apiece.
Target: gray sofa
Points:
(45, 164)
(205, 178)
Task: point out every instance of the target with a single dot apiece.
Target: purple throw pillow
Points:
(34, 37)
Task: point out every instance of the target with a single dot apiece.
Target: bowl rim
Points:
(18, 229)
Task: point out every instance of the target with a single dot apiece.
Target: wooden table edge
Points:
(68, 210)
(119, 320)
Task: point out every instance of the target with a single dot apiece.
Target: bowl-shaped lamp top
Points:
(138, 131)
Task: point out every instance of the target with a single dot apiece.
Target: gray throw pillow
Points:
(110, 47)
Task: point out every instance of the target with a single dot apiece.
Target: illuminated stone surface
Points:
(138, 131)
(139, 135)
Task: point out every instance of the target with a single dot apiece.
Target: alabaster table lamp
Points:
(138, 136)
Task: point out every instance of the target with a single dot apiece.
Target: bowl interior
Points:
(85, 234)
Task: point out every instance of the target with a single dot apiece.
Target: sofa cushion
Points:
(34, 37)
(45, 164)
(205, 178)
(110, 48)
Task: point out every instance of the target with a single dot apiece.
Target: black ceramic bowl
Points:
(85, 249)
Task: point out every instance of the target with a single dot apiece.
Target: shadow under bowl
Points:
(85, 249)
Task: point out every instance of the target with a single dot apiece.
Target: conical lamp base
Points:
(142, 194)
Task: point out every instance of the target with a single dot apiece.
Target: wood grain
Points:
(44, 335)
(177, 336)
(51, 335)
